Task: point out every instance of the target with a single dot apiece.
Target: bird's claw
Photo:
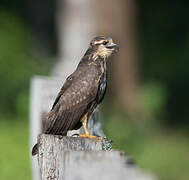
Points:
(89, 136)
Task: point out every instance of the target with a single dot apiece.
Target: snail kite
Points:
(83, 90)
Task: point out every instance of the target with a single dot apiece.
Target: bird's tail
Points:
(35, 150)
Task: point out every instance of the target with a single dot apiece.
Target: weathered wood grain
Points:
(52, 153)
(72, 158)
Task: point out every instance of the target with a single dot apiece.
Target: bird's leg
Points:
(84, 123)
(87, 134)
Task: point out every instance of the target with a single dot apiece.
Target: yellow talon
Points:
(89, 136)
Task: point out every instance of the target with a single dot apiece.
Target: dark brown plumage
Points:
(82, 91)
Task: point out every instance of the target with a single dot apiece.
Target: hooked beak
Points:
(113, 46)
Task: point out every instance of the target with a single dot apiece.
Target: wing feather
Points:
(78, 92)
(63, 89)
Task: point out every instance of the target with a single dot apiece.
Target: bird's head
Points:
(103, 47)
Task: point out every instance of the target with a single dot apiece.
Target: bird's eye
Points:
(105, 42)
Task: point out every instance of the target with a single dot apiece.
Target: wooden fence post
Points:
(52, 150)
(72, 158)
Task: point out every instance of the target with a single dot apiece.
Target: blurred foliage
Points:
(164, 43)
(152, 100)
(14, 153)
(17, 65)
(156, 149)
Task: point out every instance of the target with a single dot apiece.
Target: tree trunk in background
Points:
(118, 19)
(75, 26)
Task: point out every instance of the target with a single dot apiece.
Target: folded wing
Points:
(73, 101)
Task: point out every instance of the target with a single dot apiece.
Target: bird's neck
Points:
(94, 54)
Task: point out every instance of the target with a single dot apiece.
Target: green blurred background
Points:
(157, 140)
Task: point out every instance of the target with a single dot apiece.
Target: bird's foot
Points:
(89, 136)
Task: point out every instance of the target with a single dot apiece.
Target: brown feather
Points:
(73, 99)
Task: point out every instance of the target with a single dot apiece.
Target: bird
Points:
(82, 91)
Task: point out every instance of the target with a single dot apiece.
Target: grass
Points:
(14, 152)
(161, 152)
(167, 156)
